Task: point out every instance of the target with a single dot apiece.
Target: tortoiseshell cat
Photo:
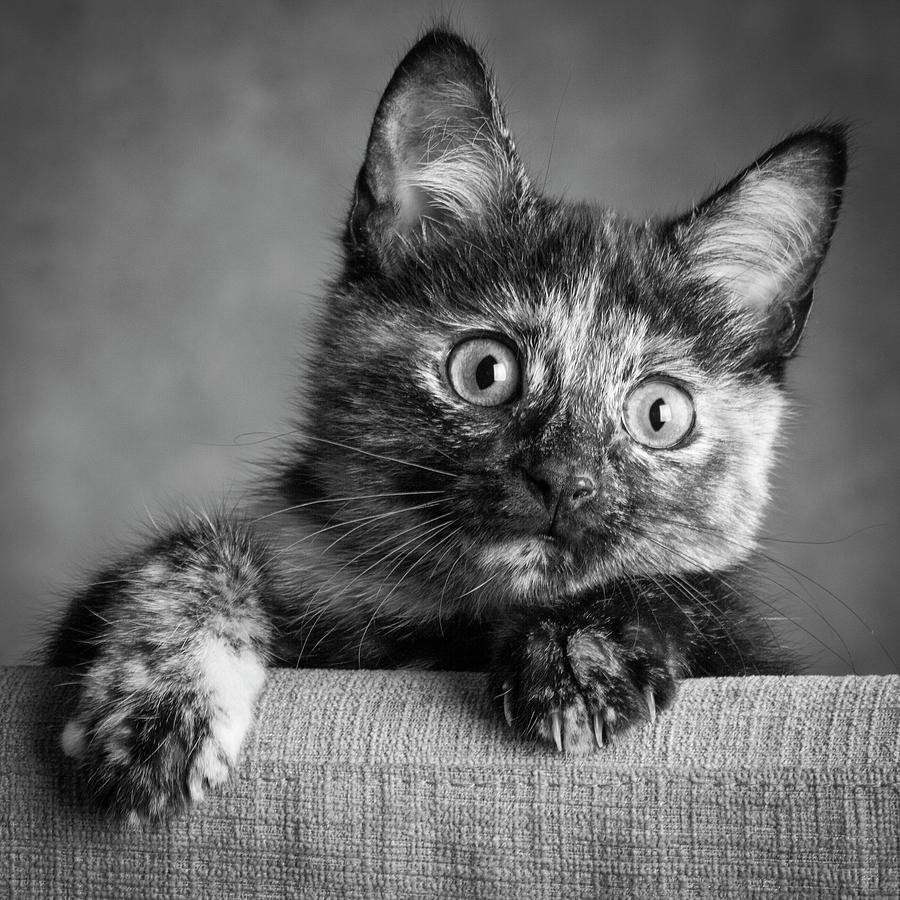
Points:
(536, 441)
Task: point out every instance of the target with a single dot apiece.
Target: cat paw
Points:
(149, 744)
(577, 688)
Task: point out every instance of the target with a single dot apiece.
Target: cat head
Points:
(582, 398)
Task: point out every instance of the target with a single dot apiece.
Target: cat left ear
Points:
(761, 239)
(439, 153)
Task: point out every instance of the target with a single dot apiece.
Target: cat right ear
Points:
(760, 240)
(439, 153)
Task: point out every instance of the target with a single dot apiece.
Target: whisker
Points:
(762, 600)
(401, 462)
(294, 508)
(419, 437)
(310, 629)
(397, 584)
(364, 519)
(446, 582)
(774, 540)
(327, 605)
(203, 515)
(448, 539)
(379, 561)
(477, 587)
(700, 598)
(239, 439)
(691, 592)
(324, 636)
(421, 540)
(843, 603)
(807, 601)
(336, 541)
(696, 627)
(555, 126)
(443, 556)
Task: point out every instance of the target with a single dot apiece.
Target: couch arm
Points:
(365, 784)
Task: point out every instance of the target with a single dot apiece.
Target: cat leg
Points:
(170, 648)
(577, 678)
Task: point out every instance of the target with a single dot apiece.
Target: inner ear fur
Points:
(439, 153)
(760, 240)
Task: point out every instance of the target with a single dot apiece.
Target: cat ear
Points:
(762, 238)
(439, 153)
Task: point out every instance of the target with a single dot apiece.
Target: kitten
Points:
(536, 440)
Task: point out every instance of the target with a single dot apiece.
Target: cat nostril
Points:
(582, 488)
(539, 486)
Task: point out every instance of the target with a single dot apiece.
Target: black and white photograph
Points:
(450, 450)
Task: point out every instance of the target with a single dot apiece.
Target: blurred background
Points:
(173, 175)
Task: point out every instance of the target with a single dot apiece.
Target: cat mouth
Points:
(556, 542)
(540, 567)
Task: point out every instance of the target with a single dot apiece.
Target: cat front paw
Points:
(579, 686)
(151, 739)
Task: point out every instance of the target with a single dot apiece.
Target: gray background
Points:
(172, 176)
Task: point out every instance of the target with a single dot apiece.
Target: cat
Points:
(535, 440)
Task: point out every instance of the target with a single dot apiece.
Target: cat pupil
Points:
(487, 371)
(660, 413)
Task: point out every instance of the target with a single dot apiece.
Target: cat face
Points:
(548, 397)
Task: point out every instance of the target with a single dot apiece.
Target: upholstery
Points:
(366, 784)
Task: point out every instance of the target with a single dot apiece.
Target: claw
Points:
(507, 703)
(650, 700)
(556, 726)
(598, 731)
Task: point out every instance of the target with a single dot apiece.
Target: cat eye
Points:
(484, 371)
(658, 414)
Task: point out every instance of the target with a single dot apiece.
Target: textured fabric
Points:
(402, 784)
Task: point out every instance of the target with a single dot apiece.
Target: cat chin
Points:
(521, 563)
(534, 568)
(530, 567)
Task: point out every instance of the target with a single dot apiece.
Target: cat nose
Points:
(559, 487)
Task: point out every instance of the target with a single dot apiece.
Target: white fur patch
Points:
(72, 739)
(460, 183)
(233, 680)
(156, 573)
(209, 769)
(522, 562)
